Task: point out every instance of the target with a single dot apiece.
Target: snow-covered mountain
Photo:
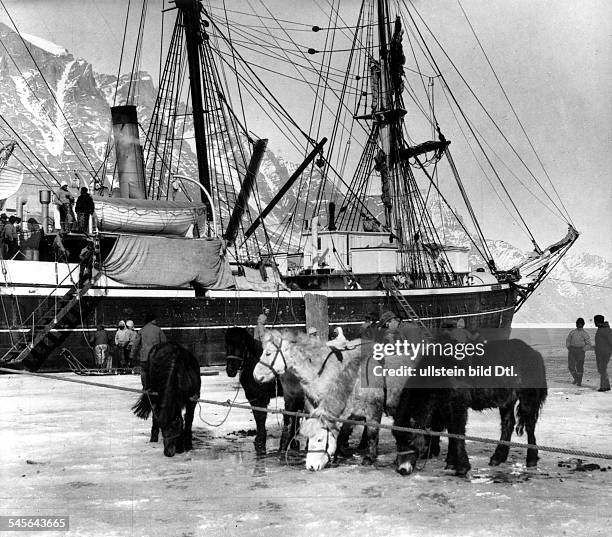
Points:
(65, 119)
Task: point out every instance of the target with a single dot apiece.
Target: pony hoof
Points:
(343, 452)
(154, 438)
(405, 469)
(532, 464)
(367, 461)
(495, 462)
(461, 473)
(450, 466)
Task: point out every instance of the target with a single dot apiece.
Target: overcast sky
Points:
(554, 58)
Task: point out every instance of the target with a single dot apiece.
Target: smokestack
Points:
(331, 225)
(19, 203)
(44, 196)
(130, 164)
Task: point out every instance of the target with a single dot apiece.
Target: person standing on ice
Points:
(149, 336)
(100, 343)
(129, 326)
(122, 340)
(577, 342)
(603, 351)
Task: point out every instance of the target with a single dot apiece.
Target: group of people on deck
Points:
(84, 207)
(21, 242)
(578, 342)
(17, 242)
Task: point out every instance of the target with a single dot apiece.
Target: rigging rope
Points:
(481, 105)
(569, 220)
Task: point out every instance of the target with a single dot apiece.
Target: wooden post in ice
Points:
(316, 314)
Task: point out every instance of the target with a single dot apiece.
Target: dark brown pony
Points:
(449, 398)
(242, 352)
(173, 382)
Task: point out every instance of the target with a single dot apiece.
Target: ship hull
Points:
(199, 322)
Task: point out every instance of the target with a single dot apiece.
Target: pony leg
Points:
(260, 423)
(507, 425)
(528, 411)
(532, 453)
(363, 443)
(451, 455)
(290, 426)
(457, 423)
(372, 434)
(343, 440)
(187, 435)
(432, 442)
(295, 423)
(154, 428)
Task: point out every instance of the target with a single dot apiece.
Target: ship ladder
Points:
(43, 324)
(411, 315)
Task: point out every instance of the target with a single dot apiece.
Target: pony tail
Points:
(530, 408)
(143, 408)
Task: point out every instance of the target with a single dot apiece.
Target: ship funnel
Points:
(331, 221)
(130, 163)
(44, 197)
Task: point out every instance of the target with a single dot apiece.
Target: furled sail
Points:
(169, 262)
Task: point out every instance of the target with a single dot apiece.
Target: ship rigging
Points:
(361, 221)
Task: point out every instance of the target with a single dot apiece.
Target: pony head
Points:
(172, 432)
(235, 350)
(272, 361)
(322, 442)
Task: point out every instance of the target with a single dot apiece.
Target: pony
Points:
(449, 398)
(172, 384)
(336, 383)
(242, 351)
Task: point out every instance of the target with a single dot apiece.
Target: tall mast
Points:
(190, 10)
(383, 117)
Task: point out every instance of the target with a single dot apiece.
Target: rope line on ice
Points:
(228, 403)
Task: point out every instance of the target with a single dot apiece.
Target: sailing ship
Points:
(359, 239)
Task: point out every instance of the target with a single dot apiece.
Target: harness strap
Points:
(333, 352)
(279, 352)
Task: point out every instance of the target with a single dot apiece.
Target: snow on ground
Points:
(77, 450)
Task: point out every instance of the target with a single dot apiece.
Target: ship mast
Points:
(385, 103)
(190, 10)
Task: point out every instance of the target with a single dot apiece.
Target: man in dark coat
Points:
(9, 238)
(85, 207)
(149, 336)
(603, 351)
(398, 330)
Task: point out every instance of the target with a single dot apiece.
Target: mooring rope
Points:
(228, 403)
